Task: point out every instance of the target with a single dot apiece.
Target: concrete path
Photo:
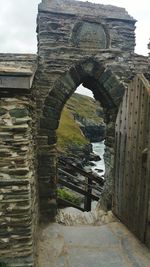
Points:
(110, 245)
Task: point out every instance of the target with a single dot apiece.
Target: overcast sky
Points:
(18, 23)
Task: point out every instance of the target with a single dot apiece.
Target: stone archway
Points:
(78, 42)
(107, 89)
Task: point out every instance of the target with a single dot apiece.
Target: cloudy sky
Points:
(18, 23)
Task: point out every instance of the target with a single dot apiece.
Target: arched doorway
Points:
(106, 89)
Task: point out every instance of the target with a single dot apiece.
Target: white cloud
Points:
(18, 23)
(140, 10)
(18, 26)
(84, 91)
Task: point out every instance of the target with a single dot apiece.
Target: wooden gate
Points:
(131, 200)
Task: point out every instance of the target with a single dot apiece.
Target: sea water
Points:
(98, 149)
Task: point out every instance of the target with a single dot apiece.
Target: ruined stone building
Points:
(78, 42)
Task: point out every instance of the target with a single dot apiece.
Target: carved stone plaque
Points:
(89, 35)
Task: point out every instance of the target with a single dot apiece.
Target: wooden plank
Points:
(75, 179)
(134, 166)
(147, 233)
(84, 173)
(143, 181)
(126, 159)
(136, 157)
(129, 186)
(77, 189)
(87, 201)
(132, 174)
(139, 175)
(122, 146)
(116, 163)
(67, 174)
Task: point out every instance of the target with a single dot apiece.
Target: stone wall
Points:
(102, 88)
(78, 43)
(66, 36)
(70, 33)
(18, 187)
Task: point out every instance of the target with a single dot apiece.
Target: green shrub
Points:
(68, 195)
(2, 264)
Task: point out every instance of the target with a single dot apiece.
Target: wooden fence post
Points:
(87, 200)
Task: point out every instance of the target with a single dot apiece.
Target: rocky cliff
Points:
(81, 123)
(88, 114)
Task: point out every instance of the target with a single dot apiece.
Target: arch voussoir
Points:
(75, 74)
(106, 88)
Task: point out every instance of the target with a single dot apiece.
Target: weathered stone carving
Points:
(89, 35)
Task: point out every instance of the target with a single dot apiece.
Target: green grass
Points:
(68, 195)
(85, 107)
(69, 132)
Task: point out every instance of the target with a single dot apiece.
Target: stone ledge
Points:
(70, 7)
(12, 71)
(17, 71)
(13, 182)
(15, 82)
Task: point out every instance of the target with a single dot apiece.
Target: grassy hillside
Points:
(86, 107)
(69, 131)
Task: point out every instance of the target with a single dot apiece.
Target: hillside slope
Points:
(69, 132)
(81, 122)
(85, 108)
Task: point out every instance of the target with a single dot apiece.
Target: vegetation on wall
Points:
(69, 196)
